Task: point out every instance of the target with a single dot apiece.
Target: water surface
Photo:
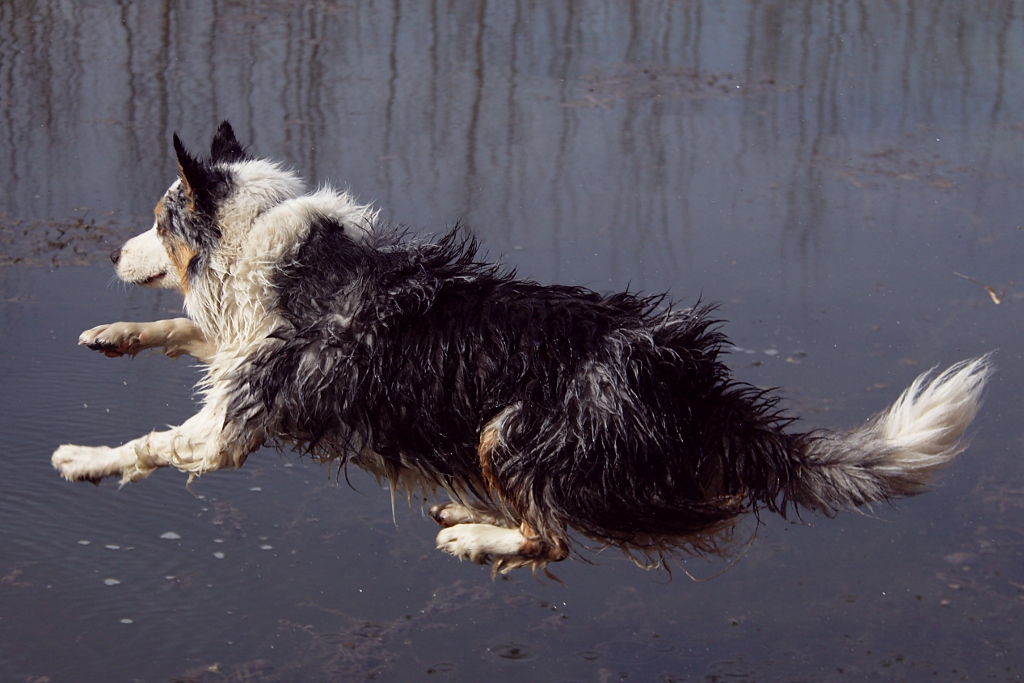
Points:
(824, 170)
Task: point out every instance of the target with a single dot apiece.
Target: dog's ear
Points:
(194, 175)
(225, 148)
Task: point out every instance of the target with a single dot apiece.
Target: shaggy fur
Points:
(537, 409)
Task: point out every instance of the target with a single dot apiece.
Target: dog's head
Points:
(211, 205)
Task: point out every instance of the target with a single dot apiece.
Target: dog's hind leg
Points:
(176, 336)
(198, 446)
(508, 548)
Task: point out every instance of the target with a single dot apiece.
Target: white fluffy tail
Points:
(897, 451)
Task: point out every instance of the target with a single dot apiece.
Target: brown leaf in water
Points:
(996, 298)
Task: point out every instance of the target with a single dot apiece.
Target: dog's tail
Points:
(896, 452)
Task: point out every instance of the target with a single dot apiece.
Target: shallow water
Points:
(824, 170)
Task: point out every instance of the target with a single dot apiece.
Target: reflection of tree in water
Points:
(459, 110)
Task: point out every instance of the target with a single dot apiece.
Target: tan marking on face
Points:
(181, 255)
(159, 208)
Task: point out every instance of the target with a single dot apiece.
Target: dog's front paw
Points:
(88, 463)
(114, 340)
(478, 542)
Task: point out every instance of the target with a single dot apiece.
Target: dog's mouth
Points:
(156, 278)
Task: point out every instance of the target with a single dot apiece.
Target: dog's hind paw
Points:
(450, 514)
(90, 463)
(479, 542)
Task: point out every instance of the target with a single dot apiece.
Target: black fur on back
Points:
(620, 420)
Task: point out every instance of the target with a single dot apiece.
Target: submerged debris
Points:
(650, 80)
(356, 649)
(72, 241)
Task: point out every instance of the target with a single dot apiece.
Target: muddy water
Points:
(824, 170)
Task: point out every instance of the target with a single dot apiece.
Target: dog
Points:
(545, 413)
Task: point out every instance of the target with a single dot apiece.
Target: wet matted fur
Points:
(539, 410)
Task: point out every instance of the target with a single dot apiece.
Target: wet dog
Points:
(538, 410)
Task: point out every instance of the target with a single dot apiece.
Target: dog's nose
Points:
(115, 255)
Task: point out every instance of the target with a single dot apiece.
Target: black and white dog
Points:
(537, 409)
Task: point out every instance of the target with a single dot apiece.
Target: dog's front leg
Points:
(177, 336)
(198, 446)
